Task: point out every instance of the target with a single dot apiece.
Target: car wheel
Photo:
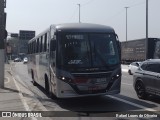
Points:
(140, 90)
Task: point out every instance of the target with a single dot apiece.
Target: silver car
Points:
(146, 80)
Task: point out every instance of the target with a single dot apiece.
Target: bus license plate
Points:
(93, 88)
(98, 80)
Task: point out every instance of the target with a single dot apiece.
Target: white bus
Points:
(76, 60)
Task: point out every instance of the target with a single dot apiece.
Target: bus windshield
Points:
(84, 51)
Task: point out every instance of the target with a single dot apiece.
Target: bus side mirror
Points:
(118, 45)
(117, 37)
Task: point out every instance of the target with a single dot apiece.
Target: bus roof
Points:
(83, 27)
(78, 27)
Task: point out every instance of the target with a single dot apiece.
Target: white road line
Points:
(127, 84)
(133, 104)
(124, 70)
(32, 94)
(22, 98)
(124, 76)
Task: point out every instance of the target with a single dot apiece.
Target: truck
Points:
(137, 50)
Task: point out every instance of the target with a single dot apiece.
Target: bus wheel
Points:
(46, 84)
(48, 89)
(33, 80)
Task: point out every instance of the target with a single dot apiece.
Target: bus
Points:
(76, 60)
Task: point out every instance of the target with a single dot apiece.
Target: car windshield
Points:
(87, 50)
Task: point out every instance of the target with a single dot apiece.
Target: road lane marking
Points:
(127, 84)
(125, 76)
(25, 101)
(133, 104)
(124, 70)
(27, 90)
(21, 97)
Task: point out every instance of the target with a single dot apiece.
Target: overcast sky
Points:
(40, 14)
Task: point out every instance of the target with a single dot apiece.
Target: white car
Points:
(25, 60)
(17, 59)
(133, 67)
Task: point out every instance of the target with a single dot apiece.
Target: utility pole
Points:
(79, 13)
(126, 22)
(146, 29)
(2, 37)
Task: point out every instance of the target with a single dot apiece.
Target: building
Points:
(13, 42)
(24, 37)
(19, 43)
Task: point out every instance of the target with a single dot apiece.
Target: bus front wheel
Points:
(49, 89)
(33, 80)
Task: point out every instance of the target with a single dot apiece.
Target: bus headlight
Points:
(115, 77)
(65, 79)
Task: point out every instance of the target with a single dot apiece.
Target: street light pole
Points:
(146, 29)
(79, 13)
(126, 22)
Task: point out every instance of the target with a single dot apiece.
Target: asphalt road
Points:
(127, 101)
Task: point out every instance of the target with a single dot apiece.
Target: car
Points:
(17, 59)
(25, 60)
(146, 80)
(133, 67)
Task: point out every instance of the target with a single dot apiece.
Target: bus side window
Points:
(37, 46)
(53, 45)
(41, 44)
(45, 43)
(52, 51)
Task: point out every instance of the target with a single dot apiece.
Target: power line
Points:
(84, 4)
(115, 15)
(88, 2)
(131, 6)
(137, 4)
(74, 13)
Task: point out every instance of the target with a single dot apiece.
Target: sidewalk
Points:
(9, 95)
(13, 105)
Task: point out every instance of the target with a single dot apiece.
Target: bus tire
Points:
(52, 96)
(49, 89)
(47, 85)
(33, 80)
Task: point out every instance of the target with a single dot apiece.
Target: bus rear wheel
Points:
(46, 84)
